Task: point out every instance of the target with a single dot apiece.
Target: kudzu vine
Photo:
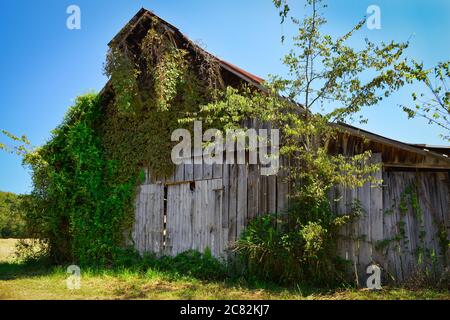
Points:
(85, 177)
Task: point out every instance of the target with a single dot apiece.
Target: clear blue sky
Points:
(44, 66)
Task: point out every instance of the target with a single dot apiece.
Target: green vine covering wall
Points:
(85, 177)
(78, 204)
(409, 204)
(149, 103)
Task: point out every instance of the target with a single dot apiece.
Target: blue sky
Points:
(44, 65)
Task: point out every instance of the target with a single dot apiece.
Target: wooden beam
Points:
(421, 166)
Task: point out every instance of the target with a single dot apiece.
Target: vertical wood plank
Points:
(179, 218)
(148, 227)
(241, 215)
(179, 173)
(207, 171)
(232, 209)
(282, 189)
(218, 170)
(272, 194)
(376, 209)
(364, 232)
(263, 206)
(252, 191)
(198, 168)
(226, 204)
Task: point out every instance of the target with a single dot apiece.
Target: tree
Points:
(324, 87)
(433, 103)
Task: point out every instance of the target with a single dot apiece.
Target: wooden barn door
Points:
(194, 217)
(179, 218)
(149, 219)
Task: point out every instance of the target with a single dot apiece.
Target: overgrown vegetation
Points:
(154, 87)
(77, 205)
(299, 250)
(324, 87)
(431, 266)
(84, 179)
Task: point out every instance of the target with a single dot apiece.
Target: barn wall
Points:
(400, 224)
(204, 206)
(412, 234)
(208, 206)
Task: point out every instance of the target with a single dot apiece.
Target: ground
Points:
(19, 281)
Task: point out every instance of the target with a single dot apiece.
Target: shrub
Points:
(189, 263)
(297, 248)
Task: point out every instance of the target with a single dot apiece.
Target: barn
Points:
(201, 206)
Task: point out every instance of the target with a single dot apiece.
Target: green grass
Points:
(40, 281)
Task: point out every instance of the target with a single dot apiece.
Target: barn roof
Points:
(128, 29)
(397, 154)
(423, 155)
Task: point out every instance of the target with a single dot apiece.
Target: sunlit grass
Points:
(38, 281)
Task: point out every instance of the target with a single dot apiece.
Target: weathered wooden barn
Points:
(204, 206)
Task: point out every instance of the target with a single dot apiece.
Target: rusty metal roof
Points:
(241, 72)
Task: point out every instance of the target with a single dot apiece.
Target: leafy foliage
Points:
(324, 87)
(296, 248)
(123, 74)
(76, 204)
(84, 178)
(158, 84)
(435, 104)
(189, 263)
(12, 223)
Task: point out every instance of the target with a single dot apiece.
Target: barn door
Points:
(207, 218)
(149, 219)
(179, 218)
(194, 217)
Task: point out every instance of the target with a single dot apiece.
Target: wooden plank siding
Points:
(211, 209)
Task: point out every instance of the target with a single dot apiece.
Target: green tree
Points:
(433, 101)
(328, 82)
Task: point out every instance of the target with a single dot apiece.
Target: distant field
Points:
(7, 249)
(19, 281)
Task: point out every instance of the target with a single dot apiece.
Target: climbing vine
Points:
(85, 177)
(409, 203)
(76, 205)
(123, 74)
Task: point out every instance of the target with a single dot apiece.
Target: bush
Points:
(297, 248)
(189, 263)
(429, 277)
